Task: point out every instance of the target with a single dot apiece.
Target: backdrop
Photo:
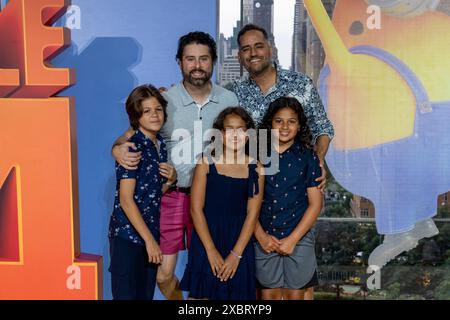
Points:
(120, 44)
(115, 46)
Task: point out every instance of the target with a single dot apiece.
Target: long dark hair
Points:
(238, 111)
(303, 136)
(241, 113)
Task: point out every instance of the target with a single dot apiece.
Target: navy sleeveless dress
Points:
(225, 211)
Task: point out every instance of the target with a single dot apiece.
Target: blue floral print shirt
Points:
(147, 193)
(289, 84)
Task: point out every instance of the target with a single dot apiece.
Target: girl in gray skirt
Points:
(284, 250)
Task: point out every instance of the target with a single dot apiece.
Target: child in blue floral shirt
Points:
(134, 224)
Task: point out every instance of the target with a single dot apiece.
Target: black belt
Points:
(186, 190)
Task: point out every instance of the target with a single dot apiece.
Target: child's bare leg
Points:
(271, 294)
(293, 294)
(167, 281)
(309, 293)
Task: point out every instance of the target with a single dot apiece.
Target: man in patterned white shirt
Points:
(266, 82)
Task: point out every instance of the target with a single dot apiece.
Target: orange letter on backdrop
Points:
(9, 81)
(39, 244)
(27, 43)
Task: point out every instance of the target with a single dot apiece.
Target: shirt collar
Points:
(295, 148)
(281, 76)
(188, 100)
(142, 137)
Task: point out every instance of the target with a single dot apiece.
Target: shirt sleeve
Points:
(317, 116)
(122, 173)
(235, 92)
(313, 170)
(234, 100)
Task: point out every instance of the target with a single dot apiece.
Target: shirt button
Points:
(274, 217)
(274, 201)
(282, 233)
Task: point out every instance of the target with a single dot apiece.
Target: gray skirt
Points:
(291, 272)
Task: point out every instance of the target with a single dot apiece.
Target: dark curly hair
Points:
(197, 37)
(303, 136)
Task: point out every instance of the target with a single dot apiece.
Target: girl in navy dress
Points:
(285, 253)
(226, 197)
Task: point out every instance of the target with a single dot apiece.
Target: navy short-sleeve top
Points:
(147, 192)
(285, 193)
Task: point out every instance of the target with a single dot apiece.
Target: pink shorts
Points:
(175, 222)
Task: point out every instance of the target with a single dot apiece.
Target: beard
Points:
(257, 70)
(197, 81)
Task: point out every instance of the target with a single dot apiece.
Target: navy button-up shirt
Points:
(289, 84)
(147, 192)
(285, 196)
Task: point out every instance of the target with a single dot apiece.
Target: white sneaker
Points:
(394, 244)
(425, 229)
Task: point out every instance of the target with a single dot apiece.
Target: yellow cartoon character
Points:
(387, 92)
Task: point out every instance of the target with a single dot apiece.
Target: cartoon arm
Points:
(337, 53)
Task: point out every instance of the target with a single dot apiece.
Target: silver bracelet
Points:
(235, 254)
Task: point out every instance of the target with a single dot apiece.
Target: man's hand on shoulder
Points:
(128, 160)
